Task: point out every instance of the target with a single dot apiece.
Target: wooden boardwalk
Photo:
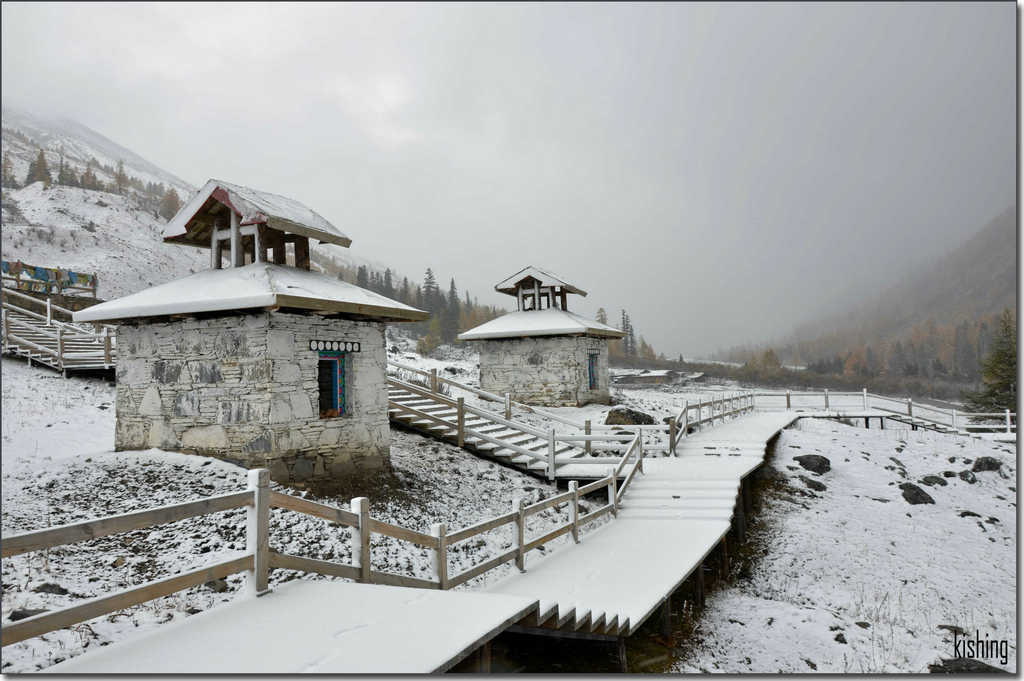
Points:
(674, 514)
(317, 628)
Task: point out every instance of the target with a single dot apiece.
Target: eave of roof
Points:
(508, 286)
(549, 322)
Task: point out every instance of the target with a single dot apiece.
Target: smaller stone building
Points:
(261, 362)
(542, 353)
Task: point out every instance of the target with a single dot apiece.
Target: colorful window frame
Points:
(331, 377)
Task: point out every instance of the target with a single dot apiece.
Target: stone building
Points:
(542, 353)
(257, 360)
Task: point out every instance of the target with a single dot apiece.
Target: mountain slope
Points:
(976, 280)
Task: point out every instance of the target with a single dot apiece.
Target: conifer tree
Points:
(169, 204)
(363, 277)
(39, 171)
(602, 316)
(7, 178)
(999, 370)
(120, 178)
(389, 286)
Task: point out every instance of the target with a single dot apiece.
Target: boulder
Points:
(986, 463)
(23, 613)
(915, 495)
(51, 588)
(968, 476)
(815, 463)
(624, 416)
(932, 480)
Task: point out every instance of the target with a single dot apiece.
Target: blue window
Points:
(331, 384)
(592, 369)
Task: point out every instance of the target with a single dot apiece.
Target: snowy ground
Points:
(58, 467)
(856, 579)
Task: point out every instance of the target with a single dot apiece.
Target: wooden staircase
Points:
(56, 344)
(481, 432)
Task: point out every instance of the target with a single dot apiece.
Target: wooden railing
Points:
(704, 412)
(259, 558)
(58, 280)
(863, 402)
(58, 343)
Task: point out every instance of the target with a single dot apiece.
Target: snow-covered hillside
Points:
(26, 133)
(92, 231)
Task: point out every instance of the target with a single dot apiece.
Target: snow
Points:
(549, 322)
(256, 206)
(58, 467)
(235, 288)
(858, 552)
(90, 231)
(316, 628)
(545, 279)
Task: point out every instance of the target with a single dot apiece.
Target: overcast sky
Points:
(720, 171)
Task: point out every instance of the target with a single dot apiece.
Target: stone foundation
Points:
(243, 388)
(546, 370)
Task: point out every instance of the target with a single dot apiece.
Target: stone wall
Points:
(544, 370)
(244, 388)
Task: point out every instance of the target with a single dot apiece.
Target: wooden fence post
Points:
(433, 380)
(864, 393)
(586, 431)
(257, 531)
(551, 454)
(1007, 420)
(574, 487)
(640, 452)
(461, 406)
(953, 414)
(440, 556)
(106, 346)
(788, 404)
(612, 496)
(361, 544)
(826, 399)
(672, 436)
(508, 407)
(686, 418)
(910, 406)
(49, 313)
(519, 509)
(60, 346)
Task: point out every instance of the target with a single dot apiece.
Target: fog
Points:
(722, 172)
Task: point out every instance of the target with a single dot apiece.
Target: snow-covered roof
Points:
(549, 322)
(258, 285)
(545, 278)
(193, 222)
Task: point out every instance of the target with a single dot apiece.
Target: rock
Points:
(191, 610)
(968, 477)
(986, 463)
(217, 586)
(915, 495)
(969, 514)
(952, 628)
(932, 480)
(813, 484)
(118, 562)
(948, 474)
(840, 639)
(815, 463)
(624, 416)
(51, 588)
(863, 625)
(22, 613)
(963, 665)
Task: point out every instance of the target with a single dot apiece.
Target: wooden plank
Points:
(361, 545)
(286, 561)
(421, 414)
(594, 515)
(480, 569)
(548, 503)
(102, 527)
(405, 534)
(594, 486)
(391, 579)
(422, 392)
(481, 527)
(257, 531)
(550, 536)
(313, 508)
(102, 605)
(440, 560)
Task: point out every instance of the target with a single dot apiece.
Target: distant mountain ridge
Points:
(974, 281)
